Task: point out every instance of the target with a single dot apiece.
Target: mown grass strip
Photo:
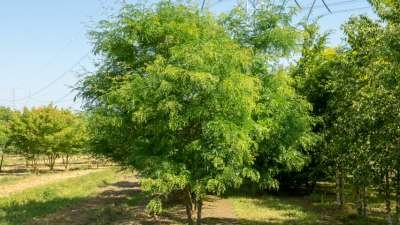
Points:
(11, 179)
(37, 202)
(268, 210)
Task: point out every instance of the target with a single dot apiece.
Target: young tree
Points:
(361, 83)
(24, 136)
(47, 131)
(5, 119)
(71, 139)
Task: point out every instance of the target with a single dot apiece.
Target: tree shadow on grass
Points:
(237, 221)
(301, 210)
(50, 209)
(17, 213)
(123, 203)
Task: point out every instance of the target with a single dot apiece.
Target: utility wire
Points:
(298, 4)
(326, 6)
(202, 5)
(346, 10)
(63, 98)
(59, 52)
(62, 75)
(311, 9)
(334, 4)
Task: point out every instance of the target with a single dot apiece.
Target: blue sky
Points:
(43, 40)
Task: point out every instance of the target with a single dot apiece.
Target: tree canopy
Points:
(47, 131)
(189, 105)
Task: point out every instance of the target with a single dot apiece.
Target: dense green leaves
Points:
(5, 133)
(47, 131)
(355, 91)
(189, 104)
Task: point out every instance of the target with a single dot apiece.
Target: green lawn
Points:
(33, 206)
(11, 179)
(272, 210)
(302, 210)
(40, 201)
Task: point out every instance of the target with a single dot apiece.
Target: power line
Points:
(326, 6)
(329, 9)
(62, 75)
(63, 98)
(334, 4)
(298, 4)
(59, 52)
(202, 5)
(311, 9)
(346, 10)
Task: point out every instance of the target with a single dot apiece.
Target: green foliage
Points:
(188, 102)
(181, 109)
(267, 30)
(355, 92)
(47, 131)
(154, 206)
(5, 119)
(285, 136)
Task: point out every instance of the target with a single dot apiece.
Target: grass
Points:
(10, 179)
(40, 201)
(316, 209)
(79, 201)
(272, 210)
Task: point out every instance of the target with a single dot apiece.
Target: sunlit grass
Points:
(40, 201)
(271, 210)
(10, 179)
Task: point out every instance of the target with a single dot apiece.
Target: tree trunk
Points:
(339, 187)
(1, 161)
(199, 208)
(365, 201)
(189, 208)
(52, 161)
(66, 162)
(35, 166)
(387, 199)
(358, 201)
(398, 197)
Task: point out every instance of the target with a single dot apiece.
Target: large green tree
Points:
(177, 97)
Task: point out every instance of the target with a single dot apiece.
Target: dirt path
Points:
(219, 208)
(116, 203)
(35, 181)
(219, 211)
(123, 203)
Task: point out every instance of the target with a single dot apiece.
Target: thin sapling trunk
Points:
(199, 211)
